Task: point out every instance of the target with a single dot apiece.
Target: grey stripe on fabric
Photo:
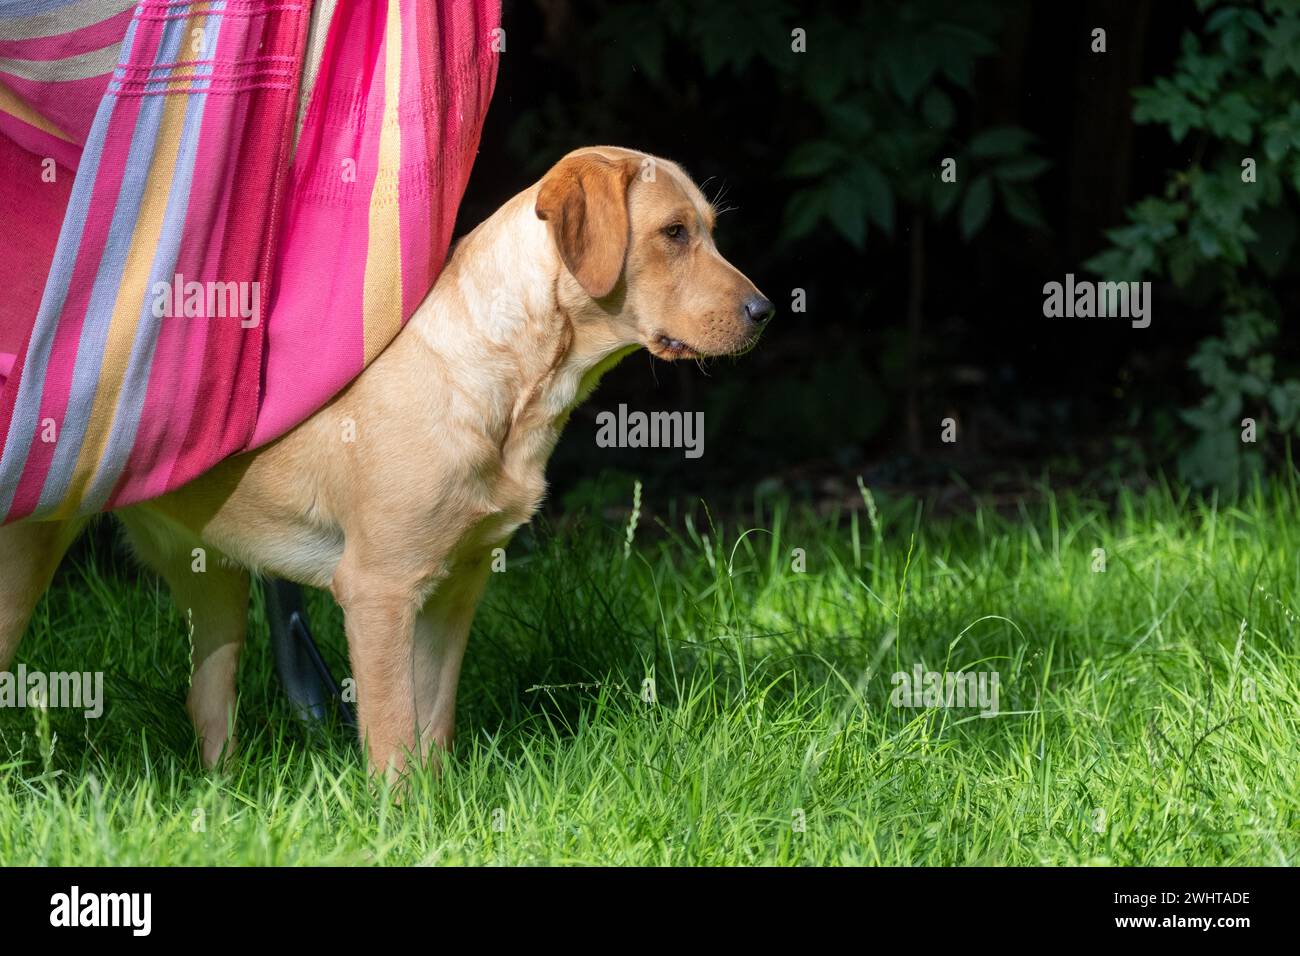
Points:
(64, 20)
(79, 67)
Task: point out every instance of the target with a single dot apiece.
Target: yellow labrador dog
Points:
(394, 495)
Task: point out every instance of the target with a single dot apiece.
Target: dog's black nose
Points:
(758, 310)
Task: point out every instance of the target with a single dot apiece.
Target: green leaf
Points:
(1232, 117)
(1017, 170)
(910, 68)
(802, 213)
(1164, 102)
(1277, 234)
(959, 72)
(1000, 141)
(877, 196)
(846, 209)
(851, 119)
(943, 196)
(975, 208)
(813, 158)
(1277, 144)
(1112, 264)
(937, 109)
(1285, 399)
(1022, 206)
(1282, 52)
(1183, 264)
(1214, 458)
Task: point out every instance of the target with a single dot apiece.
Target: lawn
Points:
(1147, 713)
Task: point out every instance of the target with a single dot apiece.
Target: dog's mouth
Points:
(664, 346)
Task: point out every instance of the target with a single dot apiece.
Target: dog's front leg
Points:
(406, 658)
(379, 612)
(441, 635)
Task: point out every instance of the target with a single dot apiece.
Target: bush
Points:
(1223, 231)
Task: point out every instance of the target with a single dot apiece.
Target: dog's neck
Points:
(507, 327)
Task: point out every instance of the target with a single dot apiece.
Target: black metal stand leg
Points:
(307, 680)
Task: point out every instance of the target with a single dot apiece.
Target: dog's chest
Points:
(514, 495)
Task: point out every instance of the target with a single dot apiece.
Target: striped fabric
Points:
(213, 214)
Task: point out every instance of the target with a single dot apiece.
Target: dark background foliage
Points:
(924, 300)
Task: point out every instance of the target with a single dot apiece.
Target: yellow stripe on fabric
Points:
(382, 295)
(14, 105)
(131, 295)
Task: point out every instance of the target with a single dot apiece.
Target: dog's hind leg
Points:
(30, 552)
(211, 592)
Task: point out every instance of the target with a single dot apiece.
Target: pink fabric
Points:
(63, 357)
(206, 362)
(446, 88)
(342, 238)
(40, 143)
(69, 106)
(26, 252)
(96, 36)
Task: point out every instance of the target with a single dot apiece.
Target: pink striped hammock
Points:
(213, 215)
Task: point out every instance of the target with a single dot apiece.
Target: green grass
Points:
(1148, 714)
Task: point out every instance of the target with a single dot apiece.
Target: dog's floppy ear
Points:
(584, 198)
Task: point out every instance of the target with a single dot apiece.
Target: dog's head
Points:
(635, 235)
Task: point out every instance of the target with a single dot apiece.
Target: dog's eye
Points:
(676, 231)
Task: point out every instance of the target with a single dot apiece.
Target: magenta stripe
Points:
(63, 356)
(67, 155)
(320, 269)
